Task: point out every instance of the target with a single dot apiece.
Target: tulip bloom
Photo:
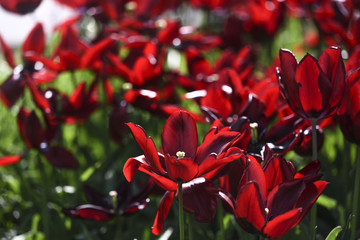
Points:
(182, 160)
(313, 88)
(271, 198)
(121, 201)
(349, 116)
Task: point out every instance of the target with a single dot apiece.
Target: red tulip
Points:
(182, 159)
(272, 199)
(101, 207)
(349, 112)
(313, 88)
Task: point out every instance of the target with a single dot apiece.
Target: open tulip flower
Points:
(182, 160)
(121, 201)
(313, 88)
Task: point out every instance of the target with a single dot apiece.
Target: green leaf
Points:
(334, 233)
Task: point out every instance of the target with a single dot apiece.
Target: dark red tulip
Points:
(122, 201)
(350, 108)
(41, 138)
(20, 6)
(313, 88)
(272, 199)
(182, 159)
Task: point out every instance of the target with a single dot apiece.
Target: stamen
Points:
(180, 154)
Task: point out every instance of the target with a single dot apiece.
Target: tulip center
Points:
(180, 154)
(114, 195)
(266, 210)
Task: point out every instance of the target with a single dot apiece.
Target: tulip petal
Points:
(39, 98)
(184, 169)
(94, 53)
(163, 182)
(254, 172)
(332, 65)
(277, 171)
(284, 197)
(132, 165)
(35, 42)
(214, 164)
(314, 87)
(162, 213)
(180, 134)
(9, 160)
(61, 158)
(89, 211)
(199, 199)
(12, 89)
(148, 147)
(309, 170)
(250, 206)
(286, 77)
(280, 225)
(215, 144)
(310, 195)
(8, 54)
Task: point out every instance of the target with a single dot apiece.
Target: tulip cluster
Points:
(239, 114)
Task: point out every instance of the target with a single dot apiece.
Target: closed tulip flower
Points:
(313, 88)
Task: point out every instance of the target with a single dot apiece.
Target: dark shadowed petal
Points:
(61, 158)
(32, 131)
(280, 225)
(286, 77)
(35, 42)
(314, 86)
(332, 65)
(162, 213)
(117, 120)
(9, 160)
(213, 164)
(309, 196)
(184, 169)
(148, 147)
(97, 198)
(215, 144)
(89, 211)
(284, 197)
(12, 89)
(199, 199)
(180, 134)
(309, 171)
(250, 206)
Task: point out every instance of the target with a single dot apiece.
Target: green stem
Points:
(181, 211)
(355, 196)
(314, 139)
(45, 218)
(220, 216)
(190, 228)
(313, 212)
